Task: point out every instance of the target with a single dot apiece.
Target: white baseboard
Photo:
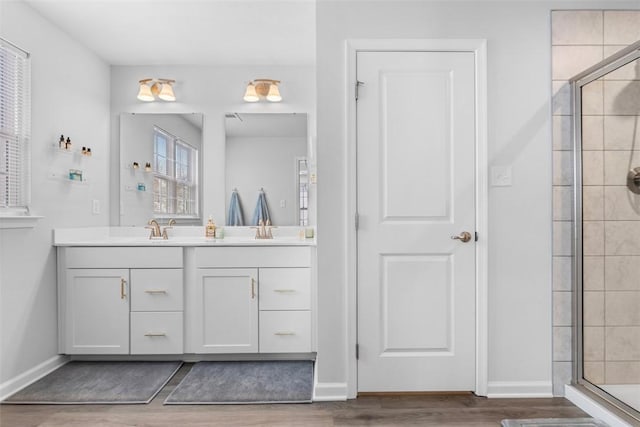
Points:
(19, 382)
(593, 408)
(515, 389)
(327, 392)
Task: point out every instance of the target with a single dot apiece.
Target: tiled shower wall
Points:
(580, 39)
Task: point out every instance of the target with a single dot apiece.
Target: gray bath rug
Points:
(98, 382)
(554, 422)
(273, 381)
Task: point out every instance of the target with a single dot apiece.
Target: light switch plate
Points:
(500, 176)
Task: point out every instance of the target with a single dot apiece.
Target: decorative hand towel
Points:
(235, 216)
(261, 212)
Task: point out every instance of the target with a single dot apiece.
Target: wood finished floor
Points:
(427, 410)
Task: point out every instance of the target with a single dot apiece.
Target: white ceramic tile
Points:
(622, 97)
(617, 165)
(562, 242)
(593, 308)
(562, 133)
(631, 71)
(593, 268)
(576, 27)
(621, 27)
(622, 273)
(622, 308)
(592, 132)
(592, 103)
(593, 342)
(563, 167)
(593, 237)
(567, 61)
(562, 273)
(622, 372)
(621, 132)
(562, 372)
(594, 372)
(562, 308)
(593, 203)
(622, 237)
(622, 343)
(562, 205)
(562, 344)
(561, 98)
(620, 204)
(592, 168)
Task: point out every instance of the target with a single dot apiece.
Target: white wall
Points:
(70, 96)
(212, 91)
(519, 127)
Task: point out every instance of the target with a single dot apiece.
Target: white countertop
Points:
(178, 236)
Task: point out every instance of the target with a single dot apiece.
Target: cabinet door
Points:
(97, 311)
(226, 316)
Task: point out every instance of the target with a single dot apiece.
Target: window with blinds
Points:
(175, 176)
(14, 129)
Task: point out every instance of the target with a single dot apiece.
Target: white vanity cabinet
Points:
(251, 299)
(120, 300)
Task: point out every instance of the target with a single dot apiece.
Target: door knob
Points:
(465, 236)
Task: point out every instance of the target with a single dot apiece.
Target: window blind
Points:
(14, 128)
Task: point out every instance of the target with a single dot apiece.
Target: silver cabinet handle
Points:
(155, 291)
(284, 333)
(253, 288)
(153, 334)
(283, 291)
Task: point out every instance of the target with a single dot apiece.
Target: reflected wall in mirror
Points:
(267, 152)
(160, 167)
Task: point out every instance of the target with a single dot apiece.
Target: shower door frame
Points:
(619, 59)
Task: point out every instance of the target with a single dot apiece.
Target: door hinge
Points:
(358, 84)
(357, 351)
(357, 221)
(476, 236)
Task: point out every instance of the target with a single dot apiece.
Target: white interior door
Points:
(416, 190)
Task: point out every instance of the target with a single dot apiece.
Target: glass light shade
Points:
(250, 94)
(274, 93)
(166, 94)
(144, 94)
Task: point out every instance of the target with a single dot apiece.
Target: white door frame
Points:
(479, 48)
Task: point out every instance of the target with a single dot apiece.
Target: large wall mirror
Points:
(266, 163)
(160, 167)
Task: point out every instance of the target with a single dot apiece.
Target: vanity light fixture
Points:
(258, 89)
(152, 88)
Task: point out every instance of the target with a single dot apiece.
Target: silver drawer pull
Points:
(284, 333)
(282, 291)
(153, 334)
(155, 291)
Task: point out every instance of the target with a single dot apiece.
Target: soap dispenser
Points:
(210, 229)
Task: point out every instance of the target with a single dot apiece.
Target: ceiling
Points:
(247, 125)
(189, 32)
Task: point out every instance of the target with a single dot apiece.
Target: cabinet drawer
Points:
(285, 288)
(156, 333)
(285, 331)
(156, 290)
(242, 257)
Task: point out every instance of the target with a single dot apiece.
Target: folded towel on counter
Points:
(234, 217)
(261, 213)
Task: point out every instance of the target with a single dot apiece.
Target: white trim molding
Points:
(19, 382)
(327, 392)
(517, 389)
(479, 48)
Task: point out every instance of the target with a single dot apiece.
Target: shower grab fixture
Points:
(633, 180)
